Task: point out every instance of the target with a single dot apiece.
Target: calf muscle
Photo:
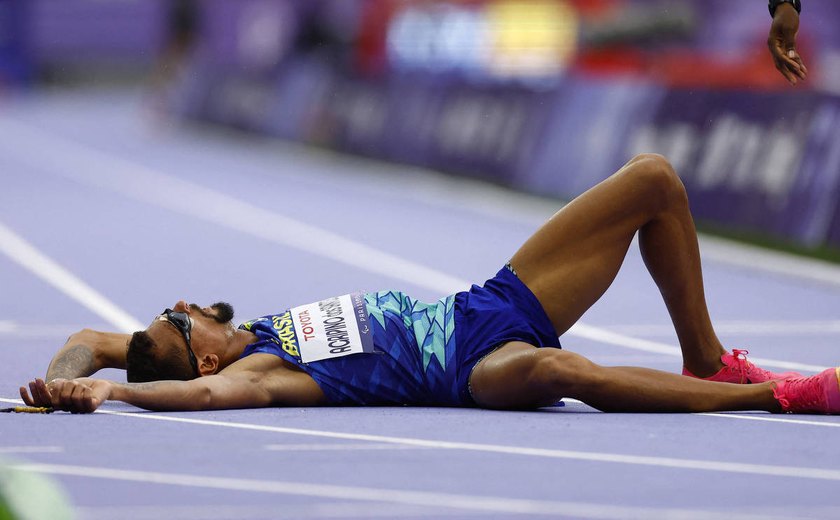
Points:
(519, 375)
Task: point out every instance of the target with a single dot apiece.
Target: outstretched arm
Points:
(87, 352)
(84, 395)
(260, 380)
(782, 43)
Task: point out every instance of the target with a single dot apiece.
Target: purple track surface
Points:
(144, 212)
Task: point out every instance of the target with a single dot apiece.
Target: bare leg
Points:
(518, 375)
(575, 256)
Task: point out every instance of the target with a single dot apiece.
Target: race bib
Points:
(333, 328)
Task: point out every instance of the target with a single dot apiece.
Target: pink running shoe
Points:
(738, 370)
(815, 394)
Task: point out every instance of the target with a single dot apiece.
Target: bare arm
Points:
(243, 390)
(259, 380)
(87, 352)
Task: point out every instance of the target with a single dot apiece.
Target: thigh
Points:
(510, 378)
(574, 257)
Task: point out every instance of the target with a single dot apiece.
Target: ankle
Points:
(774, 405)
(704, 367)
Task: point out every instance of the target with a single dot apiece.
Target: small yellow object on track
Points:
(27, 409)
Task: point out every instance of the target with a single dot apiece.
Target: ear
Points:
(208, 365)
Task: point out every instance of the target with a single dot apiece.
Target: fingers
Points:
(793, 63)
(61, 394)
(64, 394)
(71, 397)
(91, 402)
(81, 397)
(24, 394)
(789, 64)
(37, 395)
(40, 394)
(782, 67)
(75, 398)
(792, 54)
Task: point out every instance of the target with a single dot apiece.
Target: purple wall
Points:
(91, 31)
(760, 161)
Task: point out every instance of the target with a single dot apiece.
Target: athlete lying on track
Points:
(494, 346)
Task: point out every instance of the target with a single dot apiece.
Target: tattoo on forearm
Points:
(76, 361)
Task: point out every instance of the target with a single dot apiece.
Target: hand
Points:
(782, 43)
(73, 395)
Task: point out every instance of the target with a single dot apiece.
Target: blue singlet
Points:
(424, 353)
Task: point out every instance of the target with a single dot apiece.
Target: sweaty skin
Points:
(258, 381)
(88, 351)
(568, 264)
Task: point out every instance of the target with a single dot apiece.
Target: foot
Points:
(736, 369)
(815, 394)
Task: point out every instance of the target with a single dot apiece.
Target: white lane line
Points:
(600, 335)
(770, 419)
(28, 257)
(754, 258)
(422, 498)
(639, 460)
(94, 167)
(753, 328)
(661, 462)
(30, 449)
(339, 447)
(318, 433)
(288, 511)
(757, 417)
(14, 329)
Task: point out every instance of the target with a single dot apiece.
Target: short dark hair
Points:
(146, 361)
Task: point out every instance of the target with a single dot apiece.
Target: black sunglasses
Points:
(184, 325)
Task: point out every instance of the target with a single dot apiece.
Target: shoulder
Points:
(262, 363)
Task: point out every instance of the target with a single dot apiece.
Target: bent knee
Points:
(657, 178)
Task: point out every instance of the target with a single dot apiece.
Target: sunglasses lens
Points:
(179, 319)
(182, 322)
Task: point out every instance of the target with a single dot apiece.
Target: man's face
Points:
(190, 328)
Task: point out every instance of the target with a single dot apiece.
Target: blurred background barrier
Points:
(76, 39)
(547, 96)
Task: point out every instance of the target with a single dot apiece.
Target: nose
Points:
(181, 306)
